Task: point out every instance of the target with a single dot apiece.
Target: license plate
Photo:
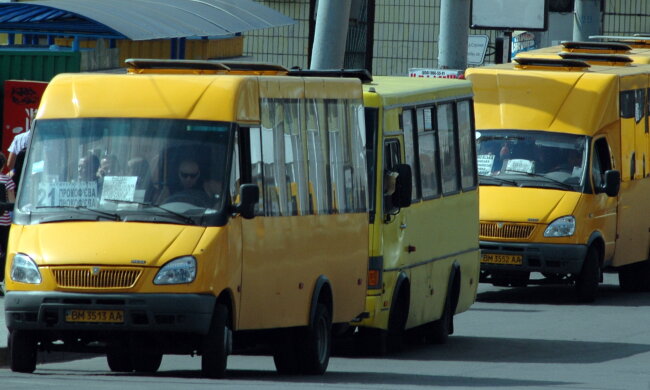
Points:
(501, 259)
(106, 316)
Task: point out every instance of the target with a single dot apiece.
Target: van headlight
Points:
(177, 271)
(561, 227)
(25, 270)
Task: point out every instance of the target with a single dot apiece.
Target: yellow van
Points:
(190, 207)
(424, 264)
(564, 164)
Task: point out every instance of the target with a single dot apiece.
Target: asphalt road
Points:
(524, 338)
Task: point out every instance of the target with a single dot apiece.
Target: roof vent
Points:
(598, 59)
(534, 63)
(596, 47)
(139, 65)
(636, 41)
(362, 74)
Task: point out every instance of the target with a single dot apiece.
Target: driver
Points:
(193, 189)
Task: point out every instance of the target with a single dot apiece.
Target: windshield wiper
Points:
(180, 216)
(559, 183)
(112, 216)
(497, 179)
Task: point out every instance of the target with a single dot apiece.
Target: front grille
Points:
(506, 230)
(96, 277)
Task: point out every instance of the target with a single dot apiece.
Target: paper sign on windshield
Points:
(485, 163)
(78, 193)
(119, 188)
(520, 165)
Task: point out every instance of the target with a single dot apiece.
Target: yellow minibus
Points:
(190, 207)
(424, 264)
(564, 165)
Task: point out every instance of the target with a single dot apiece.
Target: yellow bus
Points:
(190, 207)
(424, 264)
(564, 165)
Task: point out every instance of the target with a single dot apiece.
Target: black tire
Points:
(316, 346)
(635, 277)
(22, 350)
(285, 353)
(374, 341)
(119, 358)
(589, 278)
(146, 361)
(380, 342)
(217, 344)
(439, 330)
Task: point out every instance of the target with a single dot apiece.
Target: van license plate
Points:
(501, 259)
(106, 316)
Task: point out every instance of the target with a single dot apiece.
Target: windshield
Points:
(127, 169)
(531, 159)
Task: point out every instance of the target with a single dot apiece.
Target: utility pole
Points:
(452, 41)
(332, 18)
(586, 19)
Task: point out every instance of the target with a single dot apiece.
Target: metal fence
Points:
(405, 33)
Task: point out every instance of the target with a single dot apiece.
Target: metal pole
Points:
(586, 19)
(331, 33)
(452, 41)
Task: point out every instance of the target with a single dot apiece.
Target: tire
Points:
(589, 278)
(439, 330)
(635, 277)
(146, 361)
(374, 341)
(316, 346)
(119, 358)
(22, 346)
(217, 344)
(285, 353)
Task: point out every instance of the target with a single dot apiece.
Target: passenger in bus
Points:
(108, 166)
(87, 167)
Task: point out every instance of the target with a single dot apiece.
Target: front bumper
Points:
(35, 310)
(551, 258)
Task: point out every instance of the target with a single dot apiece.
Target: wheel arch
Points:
(322, 294)
(453, 285)
(596, 239)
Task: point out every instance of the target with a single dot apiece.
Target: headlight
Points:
(561, 227)
(181, 270)
(25, 270)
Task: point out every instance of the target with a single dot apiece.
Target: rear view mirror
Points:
(249, 196)
(612, 182)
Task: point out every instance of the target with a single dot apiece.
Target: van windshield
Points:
(126, 169)
(531, 159)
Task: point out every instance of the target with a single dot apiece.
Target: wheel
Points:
(589, 277)
(635, 277)
(285, 353)
(22, 345)
(217, 344)
(146, 361)
(439, 330)
(379, 342)
(118, 357)
(316, 345)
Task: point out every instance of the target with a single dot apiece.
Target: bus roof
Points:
(230, 98)
(578, 101)
(395, 91)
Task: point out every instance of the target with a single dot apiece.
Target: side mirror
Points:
(612, 182)
(249, 195)
(6, 206)
(403, 187)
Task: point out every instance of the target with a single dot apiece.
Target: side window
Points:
(627, 104)
(639, 104)
(409, 149)
(392, 157)
(339, 156)
(235, 171)
(257, 167)
(448, 149)
(294, 156)
(318, 157)
(427, 153)
(601, 162)
(466, 144)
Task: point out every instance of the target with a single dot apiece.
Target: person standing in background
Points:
(17, 151)
(8, 195)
